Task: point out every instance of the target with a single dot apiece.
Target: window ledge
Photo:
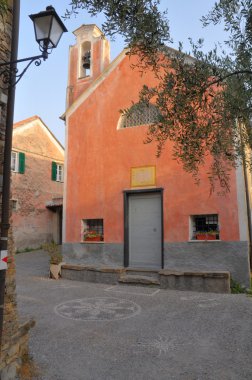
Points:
(204, 241)
(85, 78)
(92, 242)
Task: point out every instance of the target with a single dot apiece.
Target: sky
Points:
(42, 90)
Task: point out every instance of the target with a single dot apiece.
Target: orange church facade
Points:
(123, 206)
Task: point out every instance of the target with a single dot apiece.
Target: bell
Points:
(86, 60)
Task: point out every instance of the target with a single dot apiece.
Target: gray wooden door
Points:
(145, 230)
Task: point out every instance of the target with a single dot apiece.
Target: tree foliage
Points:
(3, 7)
(204, 99)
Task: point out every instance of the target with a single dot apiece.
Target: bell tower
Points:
(88, 58)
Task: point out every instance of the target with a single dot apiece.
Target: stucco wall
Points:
(210, 256)
(192, 256)
(104, 156)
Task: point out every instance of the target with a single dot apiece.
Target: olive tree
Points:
(204, 99)
(3, 7)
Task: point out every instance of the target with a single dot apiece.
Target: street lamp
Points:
(48, 29)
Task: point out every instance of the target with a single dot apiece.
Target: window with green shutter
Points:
(21, 167)
(14, 161)
(54, 171)
(57, 172)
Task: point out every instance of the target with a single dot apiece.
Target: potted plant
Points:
(207, 235)
(55, 259)
(213, 235)
(92, 236)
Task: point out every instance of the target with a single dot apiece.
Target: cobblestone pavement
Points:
(90, 331)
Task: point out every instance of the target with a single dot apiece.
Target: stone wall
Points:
(15, 336)
(33, 223)
(5, 43)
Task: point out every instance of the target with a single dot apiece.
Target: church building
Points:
(123, 206)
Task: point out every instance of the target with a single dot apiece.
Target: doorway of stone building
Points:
(56, 207)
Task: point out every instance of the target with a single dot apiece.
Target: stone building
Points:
(145, 211)
(15, 335)
(37, 184)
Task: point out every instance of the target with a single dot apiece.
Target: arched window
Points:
(139, 114)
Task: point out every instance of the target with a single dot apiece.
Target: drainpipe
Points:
(246, 196)
(5, 221)
(248, 211)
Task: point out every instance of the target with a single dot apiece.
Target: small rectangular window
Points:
(18, 162)
(14, 161)
(92, 230)
(14, 204)
(57, 172)
(205, 227)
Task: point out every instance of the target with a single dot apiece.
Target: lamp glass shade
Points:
(42, 27)
(48, 27)
(56, 32)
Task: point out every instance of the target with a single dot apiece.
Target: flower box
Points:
(206, 236)
(94, 238)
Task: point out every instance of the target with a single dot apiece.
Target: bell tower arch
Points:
(87, 59)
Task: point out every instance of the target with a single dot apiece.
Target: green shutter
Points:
(54, 171)
(21, 167)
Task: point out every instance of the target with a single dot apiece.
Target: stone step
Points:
(138, 280)
(190, 280)
(142, 272)
(199, 281)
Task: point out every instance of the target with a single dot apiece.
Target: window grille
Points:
(205, 224)
(92, 229)
(140, 115)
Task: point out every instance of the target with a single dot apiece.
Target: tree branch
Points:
(221, 79)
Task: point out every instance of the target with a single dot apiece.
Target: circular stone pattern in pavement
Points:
(98, 309)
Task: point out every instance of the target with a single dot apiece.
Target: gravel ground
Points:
(90, 331)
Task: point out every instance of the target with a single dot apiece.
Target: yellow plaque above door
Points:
(143, 176)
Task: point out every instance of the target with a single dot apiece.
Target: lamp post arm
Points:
(43, 55)
(9, 71)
